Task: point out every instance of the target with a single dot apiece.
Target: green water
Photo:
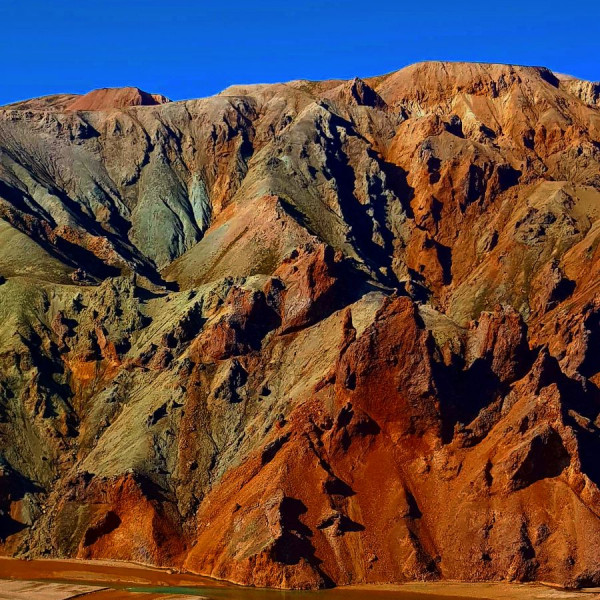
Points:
(241, 593)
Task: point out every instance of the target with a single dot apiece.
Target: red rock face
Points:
(309, 334)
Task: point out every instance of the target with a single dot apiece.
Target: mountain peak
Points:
(107, 98)
(363, 94)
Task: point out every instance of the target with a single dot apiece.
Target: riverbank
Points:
(483, 591)
(48, 579)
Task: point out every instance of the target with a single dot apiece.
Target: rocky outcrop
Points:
(307, 334)
(587, 91)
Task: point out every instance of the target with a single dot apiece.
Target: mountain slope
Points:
(306, 334)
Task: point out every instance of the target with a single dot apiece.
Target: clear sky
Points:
(189, 49)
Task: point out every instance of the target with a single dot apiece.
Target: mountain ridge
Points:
(307, 334)
(370, 79)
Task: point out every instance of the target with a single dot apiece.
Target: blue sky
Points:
(189, 49)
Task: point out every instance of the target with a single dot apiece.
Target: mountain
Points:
(107, 98)
(100, 99)
(306, 334)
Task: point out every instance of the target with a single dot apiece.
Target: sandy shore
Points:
(30, 590)
(108, 580)
(482, 591)
(99, 573)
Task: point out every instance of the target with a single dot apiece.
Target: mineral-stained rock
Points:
(306, 334)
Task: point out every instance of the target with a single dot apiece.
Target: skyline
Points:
(197, 50)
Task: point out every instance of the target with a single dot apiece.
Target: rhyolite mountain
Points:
(306, 334)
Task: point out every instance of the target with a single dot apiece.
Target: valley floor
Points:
(105, 580)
